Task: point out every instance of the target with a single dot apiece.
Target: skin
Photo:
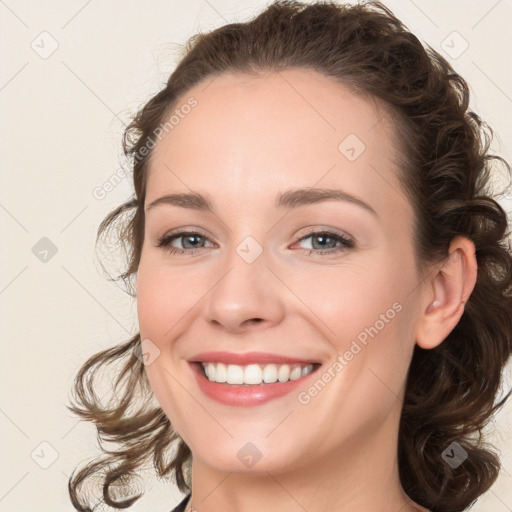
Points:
(256, 137)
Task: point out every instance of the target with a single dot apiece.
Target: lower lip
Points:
(245, 395)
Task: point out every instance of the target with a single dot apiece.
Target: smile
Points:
(254, 374)
(245, 386)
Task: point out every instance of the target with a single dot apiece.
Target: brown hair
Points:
(452, 390)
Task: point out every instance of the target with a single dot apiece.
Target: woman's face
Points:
(251, 277)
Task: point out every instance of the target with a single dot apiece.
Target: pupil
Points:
(324, 238)
(191, 237)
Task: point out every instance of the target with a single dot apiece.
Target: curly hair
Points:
(446, 170)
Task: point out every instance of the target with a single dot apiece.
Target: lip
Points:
(243, 395)
(248, 358)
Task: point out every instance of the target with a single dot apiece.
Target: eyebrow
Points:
(289, 199)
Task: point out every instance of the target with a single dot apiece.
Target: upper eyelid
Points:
(311, 231)
(181, 233)
(314, 228)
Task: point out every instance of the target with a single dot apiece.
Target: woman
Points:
(322, 275)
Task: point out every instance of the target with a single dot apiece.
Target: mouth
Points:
(251, 384)
(254, 374)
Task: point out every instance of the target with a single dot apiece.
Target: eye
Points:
(323, 242)
(326, 241)
(189, 238)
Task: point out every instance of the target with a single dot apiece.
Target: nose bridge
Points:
(247, 290)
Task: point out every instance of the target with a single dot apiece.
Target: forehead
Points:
(248, 134)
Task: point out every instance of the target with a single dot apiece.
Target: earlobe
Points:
(446, 293)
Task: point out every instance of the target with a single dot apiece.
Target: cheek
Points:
(370, 329)
(349, 299)
(161, 304)
(153, 302)
(164, 296)
(368, 319)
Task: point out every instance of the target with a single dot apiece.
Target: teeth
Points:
(254, 374)
(270, 373)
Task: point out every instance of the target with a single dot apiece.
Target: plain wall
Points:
(62, 121)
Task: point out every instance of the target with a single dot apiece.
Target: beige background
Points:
(62, 120)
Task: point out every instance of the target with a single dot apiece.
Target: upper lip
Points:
(247, 358)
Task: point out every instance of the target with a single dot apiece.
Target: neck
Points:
(362, 474)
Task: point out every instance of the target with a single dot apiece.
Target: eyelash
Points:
(346, 242)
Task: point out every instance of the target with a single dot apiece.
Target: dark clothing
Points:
(182, 505)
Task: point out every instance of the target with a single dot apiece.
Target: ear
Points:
(445, 292)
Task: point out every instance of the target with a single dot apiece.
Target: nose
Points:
(248, 295)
